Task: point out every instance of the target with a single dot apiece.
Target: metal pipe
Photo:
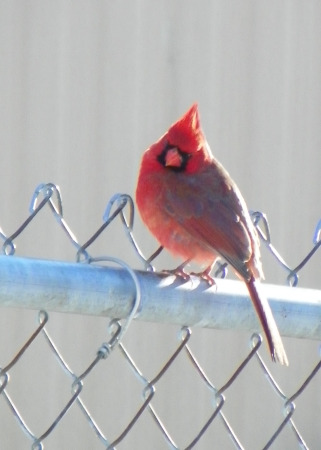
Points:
(110, 291)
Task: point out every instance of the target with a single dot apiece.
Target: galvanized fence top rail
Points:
(107, 286)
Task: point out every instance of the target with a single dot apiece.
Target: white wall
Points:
(85, 87)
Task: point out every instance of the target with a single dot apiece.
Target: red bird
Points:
(195, 210)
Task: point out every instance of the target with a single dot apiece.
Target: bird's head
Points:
(183, 148)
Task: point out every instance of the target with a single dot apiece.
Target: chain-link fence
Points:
(178, 372)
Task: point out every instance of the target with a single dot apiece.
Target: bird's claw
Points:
(178, 272)
(205, 275)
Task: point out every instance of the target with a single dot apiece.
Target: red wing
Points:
(220, 221)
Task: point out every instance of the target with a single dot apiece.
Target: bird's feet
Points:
(179, 272)
(206, 276)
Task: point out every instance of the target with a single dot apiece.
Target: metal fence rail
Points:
(115, 292)
(94, 286)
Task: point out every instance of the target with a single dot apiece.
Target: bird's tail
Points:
(270, 328)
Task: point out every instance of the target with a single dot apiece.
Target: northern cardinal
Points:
(195, 210)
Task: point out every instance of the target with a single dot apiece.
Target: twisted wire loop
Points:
(48, 191)
(122, 205)
(121, 201)
(262, 226)
(293, 276)
(8, 247)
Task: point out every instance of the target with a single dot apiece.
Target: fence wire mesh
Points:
(112, 429)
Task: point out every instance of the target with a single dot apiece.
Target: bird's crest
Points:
(186, 133)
